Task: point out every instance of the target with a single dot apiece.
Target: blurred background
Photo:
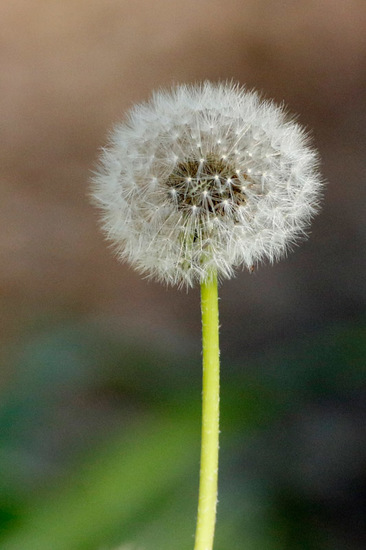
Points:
(100, 379)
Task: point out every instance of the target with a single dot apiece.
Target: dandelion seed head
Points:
(176, 204)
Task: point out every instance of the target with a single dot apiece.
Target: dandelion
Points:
(196, 183)
(205, 178)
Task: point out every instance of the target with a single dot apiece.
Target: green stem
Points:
(210, 416)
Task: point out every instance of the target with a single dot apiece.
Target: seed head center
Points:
(206, 186)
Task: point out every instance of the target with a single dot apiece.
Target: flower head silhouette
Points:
(206, 178)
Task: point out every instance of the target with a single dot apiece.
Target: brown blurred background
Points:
(71, 68)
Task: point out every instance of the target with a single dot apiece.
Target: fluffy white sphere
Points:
(204, 178)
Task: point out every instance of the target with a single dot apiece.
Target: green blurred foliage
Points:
(100, 444)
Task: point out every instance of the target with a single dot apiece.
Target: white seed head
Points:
(176, 211)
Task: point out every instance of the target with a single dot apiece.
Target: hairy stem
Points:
(210, 416)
